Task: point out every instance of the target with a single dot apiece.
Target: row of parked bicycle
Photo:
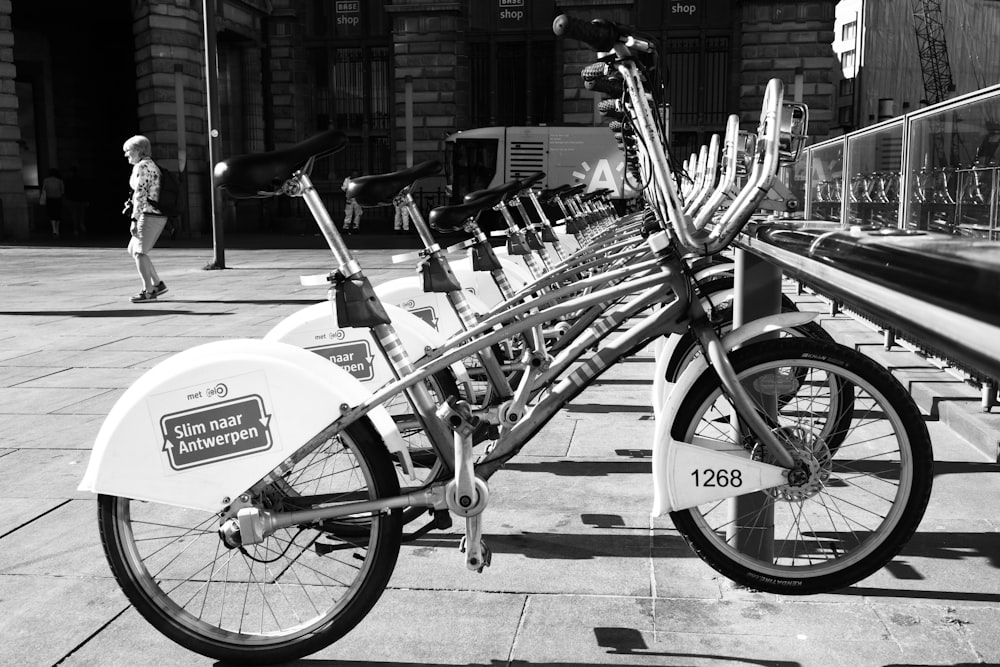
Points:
(254, 496)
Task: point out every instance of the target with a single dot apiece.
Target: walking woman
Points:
(147, 221)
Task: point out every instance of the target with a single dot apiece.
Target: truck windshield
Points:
(472, 164)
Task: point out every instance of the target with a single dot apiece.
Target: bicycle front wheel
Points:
(865, 477)
(299, 590)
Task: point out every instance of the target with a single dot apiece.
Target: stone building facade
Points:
(397, 76)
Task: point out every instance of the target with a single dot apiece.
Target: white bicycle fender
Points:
(354, 349)
(680, 469)
(207, 423)
(432, 307)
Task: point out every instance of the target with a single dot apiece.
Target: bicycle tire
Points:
(859, 484)
(174, 568)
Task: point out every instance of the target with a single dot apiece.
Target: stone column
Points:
(287, 71)
(429, 44)
(168, 44)
(14, 223)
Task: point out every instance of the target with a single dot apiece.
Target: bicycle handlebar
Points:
(600, 34)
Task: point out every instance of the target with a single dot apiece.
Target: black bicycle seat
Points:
(382, 188)
(531, 179)
(250, 175)
(574, 190)
(596, 194)
(449, 219)
(504, 191)
(549, 194)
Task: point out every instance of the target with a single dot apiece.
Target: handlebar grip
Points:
(601, 35)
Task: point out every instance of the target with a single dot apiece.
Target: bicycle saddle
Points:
(449, 219)
(573, 191)
(531, 179)
(505, 191)
(382, 188)
(596, 194)
(257, 174)
(551, 193)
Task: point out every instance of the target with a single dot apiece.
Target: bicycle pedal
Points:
(485, 555)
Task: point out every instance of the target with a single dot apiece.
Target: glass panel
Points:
(874, 167)
(826, 182)
(953, 170)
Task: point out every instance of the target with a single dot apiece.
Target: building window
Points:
(240, 95)
(847, 60)
(351, 90)
(845, 116)
(848, 31)
(512, 82)
(846, 87)
(699, 76)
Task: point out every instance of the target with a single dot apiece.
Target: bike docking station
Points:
(906, 240)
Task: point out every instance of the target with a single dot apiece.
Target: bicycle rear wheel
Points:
(867, 478)
(299, 590)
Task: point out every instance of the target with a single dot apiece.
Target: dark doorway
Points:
(76, 88)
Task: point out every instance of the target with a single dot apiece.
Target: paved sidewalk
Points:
(580, 574)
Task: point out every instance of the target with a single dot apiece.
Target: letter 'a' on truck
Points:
(488, 156)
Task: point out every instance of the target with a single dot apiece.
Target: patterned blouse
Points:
(145, 184)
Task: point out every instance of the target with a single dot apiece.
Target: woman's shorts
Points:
(147, 231)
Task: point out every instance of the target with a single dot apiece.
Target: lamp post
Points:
(214, 138)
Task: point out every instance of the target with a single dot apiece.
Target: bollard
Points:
(757, 293)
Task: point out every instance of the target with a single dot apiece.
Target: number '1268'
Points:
(721, 477)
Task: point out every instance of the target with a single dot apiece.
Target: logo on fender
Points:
(355, 357)
(427, 314)
(217, 432)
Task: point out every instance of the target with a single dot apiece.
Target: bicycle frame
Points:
(683, 311)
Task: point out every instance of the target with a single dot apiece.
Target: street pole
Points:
(214, 140)
(408, 107)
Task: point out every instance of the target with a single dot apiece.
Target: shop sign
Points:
(348, 17)
(683, 12)
(512, 14)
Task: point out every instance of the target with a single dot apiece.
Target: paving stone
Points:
(54, 615)
(15, 512)
(43, 473)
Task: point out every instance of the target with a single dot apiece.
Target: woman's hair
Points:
(139, 143)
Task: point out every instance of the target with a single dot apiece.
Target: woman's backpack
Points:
(169, 203)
